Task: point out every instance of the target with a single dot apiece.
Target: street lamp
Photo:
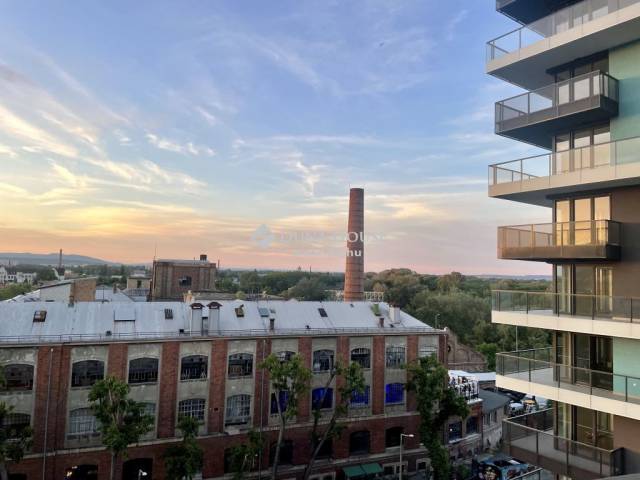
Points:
(141, 473)
(402, 436)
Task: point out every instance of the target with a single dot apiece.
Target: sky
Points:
(130, 130)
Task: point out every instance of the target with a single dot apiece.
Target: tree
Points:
(308, 289)
(184, 460)
(352, 383)
(15, 440)
(289, 380)
(242, 456)
(13, 290)
(436, 403)
(122, 420)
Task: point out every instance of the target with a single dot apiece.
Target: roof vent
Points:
(108, 333)
(39, 315)
(168, 314)
(264, 312)
(322, 312)
(272, 324)
(181, 331)
(240, 311)
(381, 322)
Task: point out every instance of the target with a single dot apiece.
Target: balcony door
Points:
(581, 149)
(593, 428)
(593, 361)
(582, 221)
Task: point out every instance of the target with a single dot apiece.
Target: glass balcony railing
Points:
(558, 22)
(587, 239)
(555, 100)
(620, 152)
(531, 438)
(594, 307)
(548, 366)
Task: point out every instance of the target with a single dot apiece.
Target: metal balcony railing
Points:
(620, 152)
(540, 366)
(586, 239)
(557, 22)
(555, 100)
(531, 438)
(595, 307)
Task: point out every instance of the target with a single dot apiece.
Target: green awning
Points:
(354, 472)
(372, 468)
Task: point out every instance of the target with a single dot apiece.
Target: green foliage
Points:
(289, 377)
(242, 457)
(489, 350)
(352, 382)
(436, 403)
(122, 420)
(308, 289)
(13, 290)
(184, 460)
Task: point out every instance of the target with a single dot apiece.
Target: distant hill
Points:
(49, 259)
(514, 277)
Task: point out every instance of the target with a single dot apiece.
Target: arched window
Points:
(394, 393)
(86, 372)
(322, 398)
(286, 453)
(322, 360)
(360, 399)
(284, 400)
(395, 357)
(392, 437)
(240, 365)
(18, 376)
(285, 355)
(143, 370)
(359, 442)
(82, 472)
(82, 421)
(15, 423)
(193, 407)
(361, 356)
(238, 410)
(193, 367)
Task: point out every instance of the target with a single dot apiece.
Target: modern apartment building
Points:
(579, 62)
(202, 360)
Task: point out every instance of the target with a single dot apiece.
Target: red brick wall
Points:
(377, 374)
(261, 384)
(304, 404)
(442, 349)
(168, 389)
(117, 360)
(342, 356)
(46, 356)
(59, 397)
(412, 356)
(217, 385)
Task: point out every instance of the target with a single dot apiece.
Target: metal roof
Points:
(90, 321)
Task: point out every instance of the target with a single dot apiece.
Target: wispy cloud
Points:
(183, 149)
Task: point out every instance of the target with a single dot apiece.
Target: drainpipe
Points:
(46, 417)
(264, 346)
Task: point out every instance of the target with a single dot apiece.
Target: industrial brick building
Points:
(171, 279)
(201, 360)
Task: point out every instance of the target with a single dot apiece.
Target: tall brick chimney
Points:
(354, 273)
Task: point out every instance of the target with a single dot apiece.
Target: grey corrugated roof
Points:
(92, 319)
(491, 400)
